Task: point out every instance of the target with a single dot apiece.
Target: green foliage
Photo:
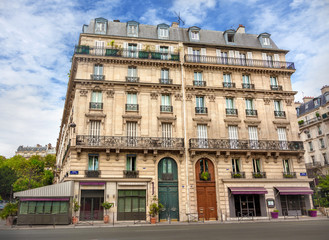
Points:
(107, 206)
(50, 161)
(312, 210)
(321, 194)
(324, 183)
(76, 205)
(155, 207)
(300, 122)
(7, 178)
(9, 210)
(205, 176)
(275, 210)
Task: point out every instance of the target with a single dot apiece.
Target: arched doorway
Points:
(206, 189)
(168, 189)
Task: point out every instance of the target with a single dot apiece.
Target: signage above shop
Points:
(74, 172)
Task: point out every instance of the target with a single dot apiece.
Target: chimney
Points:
(174, 25)
(49, 146)
(241, 29)
(116, 20)
(307, 99)
(325, 89)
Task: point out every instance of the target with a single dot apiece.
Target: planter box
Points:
(111, 52)
(312, 213)
(143, 54)
(274, 214)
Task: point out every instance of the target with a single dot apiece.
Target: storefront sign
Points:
(74, 172)
(270, 203)
(303, 174)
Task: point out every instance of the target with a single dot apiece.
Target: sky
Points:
(37, 40)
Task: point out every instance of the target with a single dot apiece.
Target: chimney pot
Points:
(174, 24)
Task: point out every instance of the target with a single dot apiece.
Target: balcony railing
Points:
(199, 83)
(227, 144)
(165, 81)
(289, 174)
(303, 123)
(165, 108)
(251, 112)
(131, 107)
(96, 105)
(276, 87)
(130, 174)
(228, 85)
(313, 165)
(248, 85)
(259, 174)
(132, 79)
(201, 110)
(92, 173)
(281, 114)
(129, 142)
(231, 111)
(97, 77)
(239, 62)
(126, 53)
(238, 175)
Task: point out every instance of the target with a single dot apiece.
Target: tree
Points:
(7, 178)
(322, 192)
(50, 161)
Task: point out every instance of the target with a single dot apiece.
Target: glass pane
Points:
(39, 208)
(169, 166)
(121, 205)
(121, 193)
(135, 204)
(135, 193)
(128, 204)
(47, 209)
(142, 193)
(23, 207)
(56, 206)
(164, 166)
(64, 207)
(142, 204)
(32, 206)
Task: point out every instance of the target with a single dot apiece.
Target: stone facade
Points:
(180, 101)
(39, 150)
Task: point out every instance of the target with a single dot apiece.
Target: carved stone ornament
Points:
(154, 95)
(83, 93)
(288, 102)
(211, 98)
(110, 93)
(267, 101)
(178, 97)
(189, 97)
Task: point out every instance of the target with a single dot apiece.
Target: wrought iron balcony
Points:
(92, 173)
(259, 174)
(276, 87)
(165, 108)
(96, 105)
(165, 81)
(199, 83)
(251, 112)
(280, 114)
(228, 85)
(132, 79)
(304, 123)
(130, 174)
(126, 53)
(238, 175)
(248, 85)
(231, 111)
(201, 110)
(289, 174)
(97, 77)
(132, 107)
(129, 142)
(238, 62)
(227, 144)
(166, 177)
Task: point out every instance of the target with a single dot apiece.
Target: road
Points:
(308, 230)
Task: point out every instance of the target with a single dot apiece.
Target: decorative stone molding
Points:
(211, 98)
(232, 121)
(202, 120)
(131, 118)
(189, 97)
(95, 117)
(178, 97)
(83, 93)
(289, 102)
(110, 93)
(253, 122)
(281, 123)
(267, 101)
(154, 95)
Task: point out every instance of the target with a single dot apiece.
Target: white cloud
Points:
(152, 17)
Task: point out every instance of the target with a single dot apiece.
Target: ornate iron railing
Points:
(132, 79)
(227, 144)
(228, 85)
(248, 85)
(131, 107)
(251, 112)
(310, 121)
(239, 62)
(231, 111)
(97, 77)
(126, 53)
(96, 105)
(130, 174)
(259, 174)
(276, 87)
(130, 142)
(167, 176)
(199, 83)
(92, 173)
(201, 110)
(280, 114)
(238, 175)
(289, 174)
(165, 81)
(165, 108)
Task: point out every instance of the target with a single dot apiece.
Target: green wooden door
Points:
(168, 189)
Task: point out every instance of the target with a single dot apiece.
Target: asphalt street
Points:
(308, 230)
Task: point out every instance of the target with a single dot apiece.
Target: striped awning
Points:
(294, 190)
(248, 190)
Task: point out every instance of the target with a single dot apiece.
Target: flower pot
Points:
(106, 219)
(153, 220)
(312, 213)
(9, 220)
(75, 220)
(274, 214)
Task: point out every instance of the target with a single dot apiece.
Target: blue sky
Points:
(37, 40)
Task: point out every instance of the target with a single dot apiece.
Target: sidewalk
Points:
(101, 224)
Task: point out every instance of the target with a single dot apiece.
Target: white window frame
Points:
(202, 135)
(233, 135)
(94, 160)
(236, 165)
(286, 166)
(195, 35)
(257, 168)
(163, 32)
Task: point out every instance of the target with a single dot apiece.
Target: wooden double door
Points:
(206, 190)
(91, 205)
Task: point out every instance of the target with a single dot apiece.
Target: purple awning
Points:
(92, 183)
(45, 199)
(294, 190)
(248, 190)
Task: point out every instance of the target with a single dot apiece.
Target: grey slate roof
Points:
(311, 105)
(34, 149)
(181, 34)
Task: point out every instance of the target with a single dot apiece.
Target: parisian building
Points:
(202, 120)
(313, 121)
(38, 150)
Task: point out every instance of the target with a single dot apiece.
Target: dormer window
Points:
(194, 34)
(316, 102)
(163, 31)
(100, 25)
(229, 36)
(132, 28)
(264, 39)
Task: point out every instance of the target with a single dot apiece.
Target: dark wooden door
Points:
(206, 190)
(91, 205)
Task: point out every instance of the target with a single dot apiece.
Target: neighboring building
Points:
(39, 150)
(313, 120)
(204, 120)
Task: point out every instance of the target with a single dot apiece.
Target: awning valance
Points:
(294, 190)
(248, 190)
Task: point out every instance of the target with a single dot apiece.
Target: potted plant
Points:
(112, 51)
(9, 212)
(301, 122)
(76, 208)
(236, 175)
(317, 114)
(312, 212)
(106, 206)
(275, 213)
(258, 175)
(155, 207)
(145, 53)
(205, 176)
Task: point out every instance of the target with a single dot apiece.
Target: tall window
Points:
(256, 164)
(235, 165)
(131, 162)
(132, 50)
(200, 105)
(227, 78)
(164, 74)
(94, 129)
(246, 79)
(253, 137)
(230, 103)
(93, 162)
(167, 134)
(278, 106)
(274, 81)
(310, 144)
(325, 159)
(132, 30)
(282, 136)
(163, 32)
(198, 79)
(195, 36)
(100, 27)
(96, 100)
(164, 53)
(98, 70)
(286, 166)
(132, 102)
(249, 104)
(266, 41)
(322, 143)
(243, 59)
(233, 136)
(202, 135)
(313, 160)
(224, 57)
(165, 103)
(99, 47)
(132, 71)
(319, 130)
(132, 133)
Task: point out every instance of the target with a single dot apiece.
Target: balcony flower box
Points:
(312, 212)
(143, 54)
(174, 57)
(111, 52)
(275, 214)
(156, 55)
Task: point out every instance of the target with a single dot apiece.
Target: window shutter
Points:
(218, 53)
(264, 56)
(237, 54)
(203, 51)
(157, 48)
(282, 136)
(202, 131)
(231, 54)
(189, 51)
(233, 132)
(140, 46)
(171, 49)
(253, 135)
(249, 55)
(276, 57)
